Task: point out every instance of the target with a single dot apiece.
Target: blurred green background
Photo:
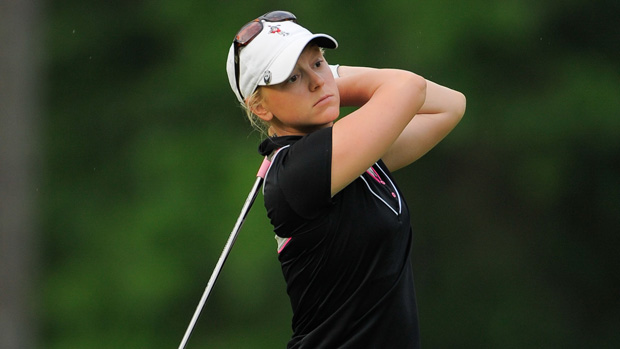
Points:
(144, 160)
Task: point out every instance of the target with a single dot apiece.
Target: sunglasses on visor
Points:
(251, 30)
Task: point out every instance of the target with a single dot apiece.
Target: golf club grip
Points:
(262, 171)
(227, 248)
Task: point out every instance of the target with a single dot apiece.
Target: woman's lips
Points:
(322, 99)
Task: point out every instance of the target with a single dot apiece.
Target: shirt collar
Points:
(272, 143)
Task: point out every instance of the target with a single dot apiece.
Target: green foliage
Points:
(149, 160)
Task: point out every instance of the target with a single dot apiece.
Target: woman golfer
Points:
(342, 225)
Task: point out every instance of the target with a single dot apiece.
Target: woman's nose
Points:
(316, 81)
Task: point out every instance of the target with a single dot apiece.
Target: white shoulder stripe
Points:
(273, 157)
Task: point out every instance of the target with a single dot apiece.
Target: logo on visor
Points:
(267, 77)
(275, 29)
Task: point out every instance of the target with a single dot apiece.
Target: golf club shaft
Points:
(227, 248)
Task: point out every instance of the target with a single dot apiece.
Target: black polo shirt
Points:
(346, 259)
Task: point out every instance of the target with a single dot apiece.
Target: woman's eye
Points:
(292, 78)
(318, 64)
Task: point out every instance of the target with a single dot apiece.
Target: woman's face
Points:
(307, 101)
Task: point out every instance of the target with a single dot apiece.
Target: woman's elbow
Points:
(416, 86)
(460, 104)
(417, 82)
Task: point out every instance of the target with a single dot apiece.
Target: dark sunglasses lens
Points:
(252, 29)
(277, 16)
(248, 32)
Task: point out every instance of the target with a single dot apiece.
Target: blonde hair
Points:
(257, 123)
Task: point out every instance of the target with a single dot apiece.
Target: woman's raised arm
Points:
(389, 98)
(441, 112)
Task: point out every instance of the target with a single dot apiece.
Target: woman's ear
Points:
(259, 110)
